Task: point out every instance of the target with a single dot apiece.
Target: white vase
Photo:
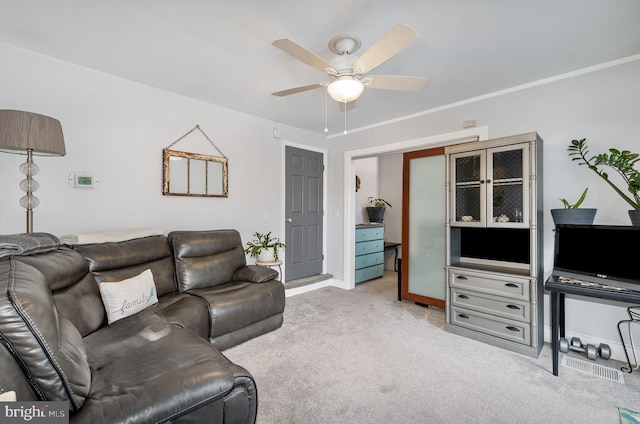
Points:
(266, 255)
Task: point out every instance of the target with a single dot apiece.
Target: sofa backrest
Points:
(116, 261)
(206, 258)
(44, 341)
(75, 291)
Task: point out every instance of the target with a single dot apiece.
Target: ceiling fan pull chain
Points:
(326, 113)
(345, 116)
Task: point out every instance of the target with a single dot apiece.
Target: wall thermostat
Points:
(83, 180)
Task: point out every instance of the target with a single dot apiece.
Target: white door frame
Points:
(348, 281)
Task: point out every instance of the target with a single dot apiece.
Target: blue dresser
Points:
(369, 252)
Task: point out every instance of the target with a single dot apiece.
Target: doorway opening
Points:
(348, 282)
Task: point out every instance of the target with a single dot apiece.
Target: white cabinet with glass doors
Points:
(491, 187)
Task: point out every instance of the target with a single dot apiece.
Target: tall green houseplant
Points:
(622, 162)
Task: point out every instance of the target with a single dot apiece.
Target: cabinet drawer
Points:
(365, 274)
(369, 260)
(499, 327)
(506, 308)
(366, 234)
(369, 247)
(506, 286)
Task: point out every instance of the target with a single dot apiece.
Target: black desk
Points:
(390, 245)
(558, 290)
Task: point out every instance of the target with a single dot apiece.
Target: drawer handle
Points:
(464, 316)
(512, 328)
(515, 307)
(463, 296)
(512, 285)
(461, 277)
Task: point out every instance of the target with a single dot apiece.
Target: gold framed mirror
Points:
(194, 174)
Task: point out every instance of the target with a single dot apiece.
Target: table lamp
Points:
(31, 134)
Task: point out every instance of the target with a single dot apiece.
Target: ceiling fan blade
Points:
(392, 43)
(394, 82)
(299, 89)
(302, 54)
(348, 106)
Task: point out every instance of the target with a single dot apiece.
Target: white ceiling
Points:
(221, 52)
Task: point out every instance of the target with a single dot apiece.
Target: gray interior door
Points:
(304, 210)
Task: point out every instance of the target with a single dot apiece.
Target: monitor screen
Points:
(600, 252)
(496, 244)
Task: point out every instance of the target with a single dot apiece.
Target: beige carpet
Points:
(361, 356)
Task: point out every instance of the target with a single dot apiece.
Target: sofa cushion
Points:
(130, 296)
(206, 258)
(44, 340)
(146, 370)
(75, 291)
(239, 304)
(116, 261)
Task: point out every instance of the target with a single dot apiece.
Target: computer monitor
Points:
(605, 254)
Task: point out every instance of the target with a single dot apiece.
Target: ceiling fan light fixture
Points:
(345, 90)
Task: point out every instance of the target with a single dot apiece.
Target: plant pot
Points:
(266, 255)
(376, 214)
(634, 215)
(573, 216)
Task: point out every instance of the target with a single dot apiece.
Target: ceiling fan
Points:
(348, 72)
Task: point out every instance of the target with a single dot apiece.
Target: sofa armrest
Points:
(255, 274)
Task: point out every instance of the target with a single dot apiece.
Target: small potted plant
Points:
(376, 209)
(571, 214)
(264, 247)
(622, 162)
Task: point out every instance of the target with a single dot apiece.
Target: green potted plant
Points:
(622, 162)
(571, 214)
(264, 247)
(376, 209)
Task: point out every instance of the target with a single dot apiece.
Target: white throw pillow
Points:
(127, 297)
(8, 397)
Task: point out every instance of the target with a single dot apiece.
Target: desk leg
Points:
(395, 261)
(555, 324)
(561, 312)
(399, 279)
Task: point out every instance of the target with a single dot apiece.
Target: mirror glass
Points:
(193, 174)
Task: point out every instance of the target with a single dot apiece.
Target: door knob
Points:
(289, 219)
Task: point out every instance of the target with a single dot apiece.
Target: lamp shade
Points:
(22, 131)
(345, 89)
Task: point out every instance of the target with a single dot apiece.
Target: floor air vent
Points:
(594, 369)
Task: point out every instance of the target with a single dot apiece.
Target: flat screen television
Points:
(508, 245)
(605, 254)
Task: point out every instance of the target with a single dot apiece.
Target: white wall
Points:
(117, 129)
(367, 169)
(602, 105)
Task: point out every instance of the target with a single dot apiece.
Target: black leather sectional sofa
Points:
(162, 364)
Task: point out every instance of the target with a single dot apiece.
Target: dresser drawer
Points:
(366, 234)
(369, 260)
(500, 285)
(506, 308)
(369, 273)
(369, 247)
(503, 328)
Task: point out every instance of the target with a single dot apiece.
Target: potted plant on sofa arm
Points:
(376, 209)
(264, 247)
(571, 214)
(622, 162)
